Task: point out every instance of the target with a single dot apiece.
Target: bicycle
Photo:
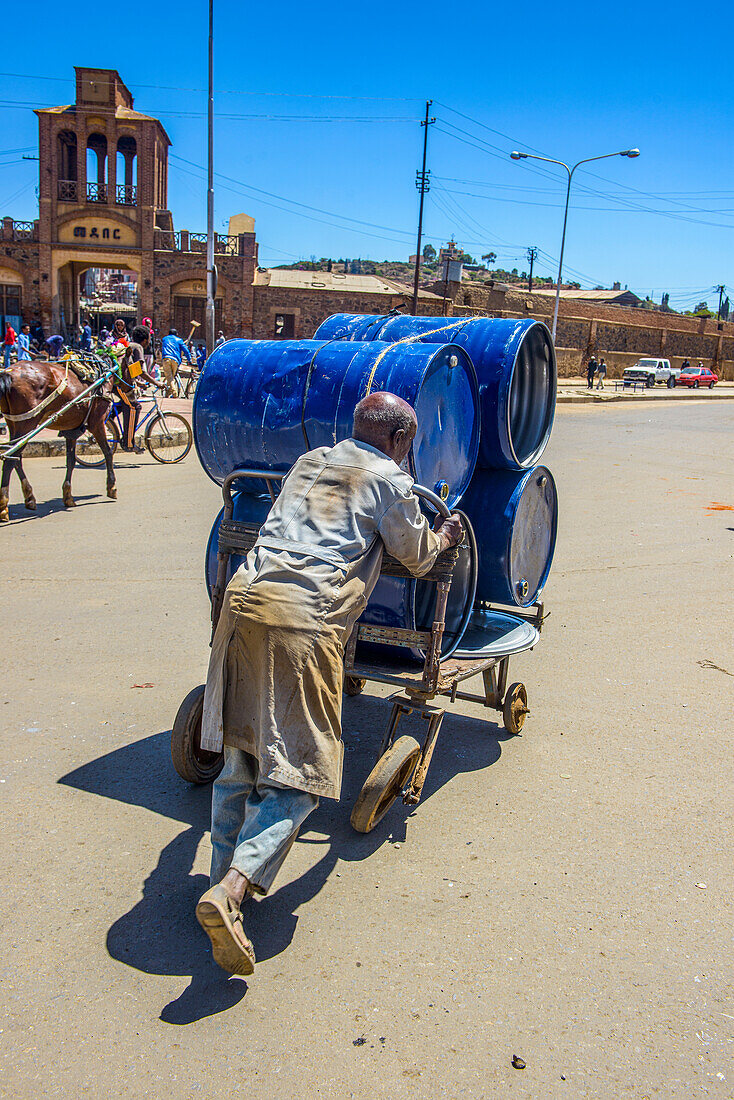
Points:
(162, 436)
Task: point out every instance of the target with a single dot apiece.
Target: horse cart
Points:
(374, 653)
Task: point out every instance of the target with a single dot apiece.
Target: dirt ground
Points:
(564, 896)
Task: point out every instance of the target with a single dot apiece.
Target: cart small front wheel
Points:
(193, 763)
(384, 783)
(515, 708)
(353, 685)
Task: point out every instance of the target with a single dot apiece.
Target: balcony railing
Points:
(127, 194)
(24, 231)
(68, 191)
(96, 192)
(224, 244)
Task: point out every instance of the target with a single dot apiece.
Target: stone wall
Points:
(311, 307)
(622, 335)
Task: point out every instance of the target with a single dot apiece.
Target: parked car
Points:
(651, 371)
(693, 377)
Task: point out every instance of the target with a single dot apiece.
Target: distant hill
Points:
(403, 272)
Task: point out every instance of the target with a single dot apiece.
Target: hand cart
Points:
(402, 762)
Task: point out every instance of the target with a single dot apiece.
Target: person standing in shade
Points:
(24, 343)
(220, 340)
(173, 350)
(601, 373)
(86, 341)
(590, 372)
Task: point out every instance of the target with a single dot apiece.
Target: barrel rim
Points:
(532, 460)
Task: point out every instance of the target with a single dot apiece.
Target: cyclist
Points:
(131, 361)
(172, 349)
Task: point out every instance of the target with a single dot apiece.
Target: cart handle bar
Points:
(270, 476)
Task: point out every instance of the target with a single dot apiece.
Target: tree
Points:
(490, 257)
(702, 310)
(429, 254)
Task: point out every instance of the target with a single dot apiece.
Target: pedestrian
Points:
(590, 371)
(601, 373)
(104, 334)
(8, 344)
(54, 345)
(150, 351)
(86, 341)
(173, 349)
(119, 333)
(37, 334)
(220, 340)
(24, 343)
(131, 369)
(685, 364)
(200, 356)
(274, 686)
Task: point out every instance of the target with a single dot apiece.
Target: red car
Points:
(697, 376)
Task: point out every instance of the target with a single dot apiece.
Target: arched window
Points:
(127, 165)
(66, 166)
(96, 168)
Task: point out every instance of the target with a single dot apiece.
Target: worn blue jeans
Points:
(254, 821)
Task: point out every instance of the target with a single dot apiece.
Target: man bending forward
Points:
(274, 688)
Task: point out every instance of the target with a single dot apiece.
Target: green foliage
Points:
(429, 254)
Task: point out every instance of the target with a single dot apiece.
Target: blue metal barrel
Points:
(394, 601)
(515, 518)
(515, 363)
(262, 403)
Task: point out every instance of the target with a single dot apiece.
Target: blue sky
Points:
(319, 106)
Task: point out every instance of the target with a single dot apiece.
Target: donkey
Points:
(30, 392)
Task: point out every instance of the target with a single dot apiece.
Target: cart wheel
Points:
(514, 708)
(193, 763)
(353, 685)
(384, 783)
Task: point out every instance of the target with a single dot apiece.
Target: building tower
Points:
(102, 194)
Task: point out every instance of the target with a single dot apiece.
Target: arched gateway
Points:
(104, 241)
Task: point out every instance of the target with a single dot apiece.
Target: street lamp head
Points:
(518, 156)
(630, 153)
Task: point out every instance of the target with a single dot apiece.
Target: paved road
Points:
(546, 899)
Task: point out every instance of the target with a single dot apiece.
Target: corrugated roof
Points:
(289, 279)
(584, 295)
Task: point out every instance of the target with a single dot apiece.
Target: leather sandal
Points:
(220, 917)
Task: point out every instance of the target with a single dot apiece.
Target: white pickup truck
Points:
(651, 371)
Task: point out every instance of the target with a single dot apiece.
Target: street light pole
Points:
(549, 160)
(211, 275)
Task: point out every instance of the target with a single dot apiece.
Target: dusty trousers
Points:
(254, 821)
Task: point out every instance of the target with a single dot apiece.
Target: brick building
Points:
(103, 181)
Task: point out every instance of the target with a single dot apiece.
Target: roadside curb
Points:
(642, 396)
(56, 448)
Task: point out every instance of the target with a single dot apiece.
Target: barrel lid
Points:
(496, 634)
(533, 534)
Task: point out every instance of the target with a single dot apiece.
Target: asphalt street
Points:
(564, 896)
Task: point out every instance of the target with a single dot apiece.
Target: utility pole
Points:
(211, 271)
(532, 257)
(423, 185)
(721, 290)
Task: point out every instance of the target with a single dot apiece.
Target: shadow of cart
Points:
(159, 935)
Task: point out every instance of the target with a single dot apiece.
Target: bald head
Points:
(386, 422)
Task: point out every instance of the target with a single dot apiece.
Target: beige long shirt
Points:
(276, 669)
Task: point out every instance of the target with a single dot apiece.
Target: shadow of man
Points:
(160, 935)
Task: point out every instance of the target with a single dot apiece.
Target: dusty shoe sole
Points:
(228, 952)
